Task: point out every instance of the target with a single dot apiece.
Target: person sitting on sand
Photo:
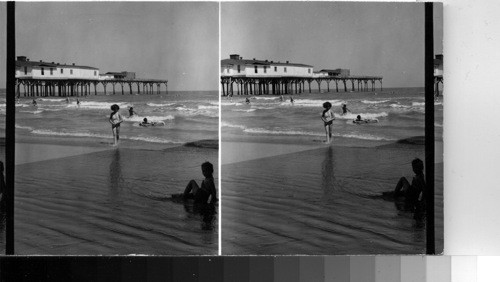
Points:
(131, 112)
(328, 117)
(115, 119)
(207, 190)
(247, 101)
(34, 103)
(414, 193)
(358, 119)
(345, 109)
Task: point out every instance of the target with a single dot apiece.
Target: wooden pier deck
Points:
(289, 85)
(32, 87)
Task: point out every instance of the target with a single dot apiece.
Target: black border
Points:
(429, 126)
(10, 132)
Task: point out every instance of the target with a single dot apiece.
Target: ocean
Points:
(187, 116)
(319, 199)
(400, 113)
(76, 194)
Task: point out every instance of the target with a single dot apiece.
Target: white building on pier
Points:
(236, 66)
(45, 70)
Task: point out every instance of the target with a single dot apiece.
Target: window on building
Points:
(43, 71)
(255, 69)
(62, 70)
(51, 71)
(25, 70)
(309, 70)
(70, 71)
(95, 73)
(265, 69)
(285, 69)
(275, 69)
(239, 69)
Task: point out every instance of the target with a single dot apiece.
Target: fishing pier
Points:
(257, 77)
(291, 85)
(33, 87)
(44, 79)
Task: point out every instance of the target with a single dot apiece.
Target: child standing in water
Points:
(115, 119)
(328, 117)
(207, 189)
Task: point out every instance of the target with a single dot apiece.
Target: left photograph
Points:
(117, 131)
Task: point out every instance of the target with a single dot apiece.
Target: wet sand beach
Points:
(90, 201)
(325, 200)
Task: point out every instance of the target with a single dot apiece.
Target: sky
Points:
(175, 41)
(379, 39)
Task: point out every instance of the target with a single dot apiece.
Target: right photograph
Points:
(323, 134)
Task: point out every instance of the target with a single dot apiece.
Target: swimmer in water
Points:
(131, 112)
(145, 122)
(78, 102)
(345, 109)
(359, 120)
(34, 103)
(292, 100)
(247, 101)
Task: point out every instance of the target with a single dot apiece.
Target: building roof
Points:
(50, 65)
(328, 70)
(231, 62)
(116, 73)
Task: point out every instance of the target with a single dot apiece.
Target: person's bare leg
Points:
(191, 187)
(327, 133)
(115, 140)
(401, 187)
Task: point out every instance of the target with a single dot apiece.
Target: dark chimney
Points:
(287, 62)
(266, 61)
(40, 61)
(27, 59)
(234, 56)
(73, 64)
(241, 58)
(52, 62)
(21, 58)
(254, 59)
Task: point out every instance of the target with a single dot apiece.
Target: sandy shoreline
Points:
(89, 201)
(303, 196)
(236, 151)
